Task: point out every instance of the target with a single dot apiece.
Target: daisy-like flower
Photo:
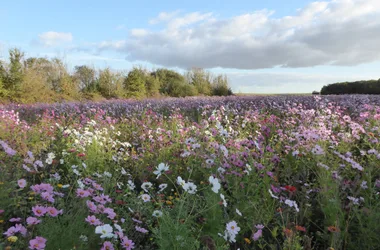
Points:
(145, 197)
(291, 203)
(107, 245)
(21, 183)
(223, 200)
(105, 231)
(127, 243)
(146, 185)
(32, 221)
(232, 227)
(52, 211)
(162, 187)
(215, 184)
(161, 168)
(39, 211)
(93, 220)
(157, 213)
(38, 243)
(191, 188)
(181, 181)
(131, 185)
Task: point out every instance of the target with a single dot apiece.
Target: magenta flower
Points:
(141, 230)
(32, 221)
(39, 210)
(107, 246)
(52, 211)
(91, 205)
(127, 243)
(15, 220)
(82, 193)
(38, 243)
(93, 220)
(1, 211)
(47, 196)
(21, 183)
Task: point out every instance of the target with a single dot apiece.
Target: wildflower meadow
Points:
(274, 172)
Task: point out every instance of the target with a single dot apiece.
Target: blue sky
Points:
(271, 46)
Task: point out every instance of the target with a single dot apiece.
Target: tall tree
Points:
(134, 83)
(87, 78)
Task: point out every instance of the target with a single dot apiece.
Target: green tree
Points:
(110, 83)
(152, 85)
(87, 78)
(14, 75)
(134, 84)
(220, 86)
(169, 79)
(201, 79)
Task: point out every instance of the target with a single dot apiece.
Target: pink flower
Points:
(32, 221)
(47, 196)
(91, 206)
(141, 230)
(107, 246)
(110, 212)
(1, 211)
(93, 220)
(21, 183)
(39, 211)
(15, 220)
(38, 243)
(127, 243)
(257, 235)
(21, 229)
(10, 232)
(82, 193)
(53, 212)
(97, 186)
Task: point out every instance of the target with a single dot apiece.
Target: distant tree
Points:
(315, 92)
(220, 86)
(13, 77)
(152, 85)
(134, 84)
(168, 80)
(358, 87)
(201, 79)
(87, 78)
(110, 83)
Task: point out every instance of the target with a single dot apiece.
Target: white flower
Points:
(162, 187)
(291, 203)
(83, 238)
(238, 212)
(131, 185)
(363, 185)
(84, 165)
(232, 228)
(119, 185)
(162, 167)
(224, 201)
(49, 161)
(271, 194)
(157, 213)
(61, 161)
(118, 228)
(146, 185)
(80, 184)
(107, 174)
(123, 172)
(180, 181)
(221, 170)
(51, 155)
(76, 172)
(145, 197)
(105, 231)
(215, 184)
(191, 188)
(66, 186)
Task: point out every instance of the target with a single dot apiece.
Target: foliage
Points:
(359, 87)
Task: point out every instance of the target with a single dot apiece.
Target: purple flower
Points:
(32, 221)
(21, 183)
(38, 243)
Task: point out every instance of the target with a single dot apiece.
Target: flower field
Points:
(284, 172)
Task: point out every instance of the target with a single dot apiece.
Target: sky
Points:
(272, 46)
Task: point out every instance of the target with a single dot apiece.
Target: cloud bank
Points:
(338, 32)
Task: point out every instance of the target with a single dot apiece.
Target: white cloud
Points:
(52, 38)
(337, 32)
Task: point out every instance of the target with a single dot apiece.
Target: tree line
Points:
(37, 79)
(358, 87)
